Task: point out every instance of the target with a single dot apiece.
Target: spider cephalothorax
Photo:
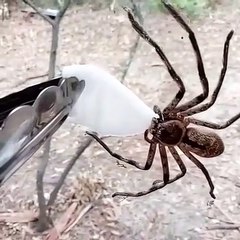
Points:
(168, 132)
(172, 128)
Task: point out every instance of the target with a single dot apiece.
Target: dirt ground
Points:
(180, 210)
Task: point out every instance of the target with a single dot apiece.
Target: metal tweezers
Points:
(31, 116)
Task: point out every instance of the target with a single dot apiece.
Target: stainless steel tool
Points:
(29, 117)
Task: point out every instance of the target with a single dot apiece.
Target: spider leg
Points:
(200, 66)
(165, 166)
(164, 160)
(154, 188)
(180, 164)
(179, 161)
(140, 30)
(206, 106)
(214, 125)
(148, 164)
(158, 184)
(147, 138)
(200, 166)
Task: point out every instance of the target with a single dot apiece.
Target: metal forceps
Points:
(29, 117)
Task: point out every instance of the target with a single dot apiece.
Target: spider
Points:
(171, 128)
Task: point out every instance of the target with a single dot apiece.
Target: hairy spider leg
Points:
(204, 107)
(214, 125)
(140, 30)
(200, 65)
(158, 184)
(164, 160)
(200, 166)
(150, 157)
(180, 163)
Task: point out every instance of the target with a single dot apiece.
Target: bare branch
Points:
(38, 76)
(53, 51)
(133, 49)
(43, 221)
(224, 227)
(61, 180)
(230, 226)
(48, 19)
(63, 10)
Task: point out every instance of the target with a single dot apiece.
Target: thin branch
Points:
(48, 19)
(82, 213)
(38, 76)
(43, 223)
(53, 51)
(225, 227)
(230, 226)
(73, 160)
(63, 10)
(133, 49)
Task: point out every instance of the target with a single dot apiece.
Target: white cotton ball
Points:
(106, 106)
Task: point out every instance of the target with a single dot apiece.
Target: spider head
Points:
(168, 132)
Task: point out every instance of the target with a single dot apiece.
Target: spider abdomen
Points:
(203, 143)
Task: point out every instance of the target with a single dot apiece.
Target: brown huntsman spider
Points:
(171, 128)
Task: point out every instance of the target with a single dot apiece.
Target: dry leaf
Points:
(80, 214)
(60, 225)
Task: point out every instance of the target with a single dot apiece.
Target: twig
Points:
(61, 180)
(60, 225)
(230, 226)
(224, 227)
(133, 49)
(82, 213)
(38, 76)
(63, 10)
(223, 213)
(55, 34)
(48, 19)
(43, 221)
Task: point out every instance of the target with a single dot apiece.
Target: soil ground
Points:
(180, 210)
